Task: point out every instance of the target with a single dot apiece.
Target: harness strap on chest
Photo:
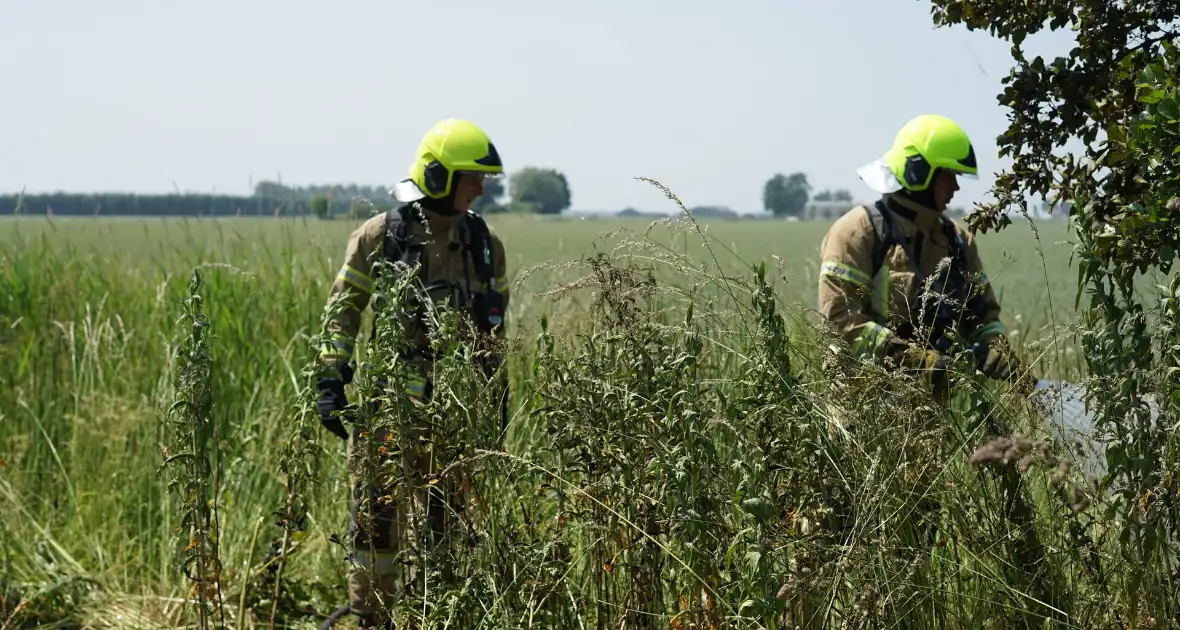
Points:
(886, 234)
(478, 242)
(396, 243)
(479, 246)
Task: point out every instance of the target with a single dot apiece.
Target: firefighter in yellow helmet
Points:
(458, 259)
(876, 261)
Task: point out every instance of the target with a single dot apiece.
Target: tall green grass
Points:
(685, 447)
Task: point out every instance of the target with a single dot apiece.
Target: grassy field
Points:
(718, 487)
(1029, 272)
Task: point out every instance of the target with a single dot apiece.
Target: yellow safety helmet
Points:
(451, 146)
(923, 145)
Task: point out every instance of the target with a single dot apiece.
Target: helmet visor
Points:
(406, 191)
(879, 177)
(480, 174)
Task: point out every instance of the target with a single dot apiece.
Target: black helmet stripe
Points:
(969, 161)
(492, 158)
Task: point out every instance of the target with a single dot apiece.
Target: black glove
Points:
(996, 359)
(332, 399)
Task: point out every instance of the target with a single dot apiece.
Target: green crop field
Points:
(717, 474)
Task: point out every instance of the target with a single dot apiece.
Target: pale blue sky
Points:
(711, 98)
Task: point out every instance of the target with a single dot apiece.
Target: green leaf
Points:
(1116, 134)
(1170, 108)
(753, 558)
(1152, 97)
(757, 507)
(734, 544)
(1151, 73)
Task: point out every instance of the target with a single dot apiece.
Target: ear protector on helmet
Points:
(435, 177)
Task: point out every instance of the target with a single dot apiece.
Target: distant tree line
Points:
(118, 204)
(530, 189)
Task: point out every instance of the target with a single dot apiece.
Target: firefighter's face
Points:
(944, 187)
(468, 186)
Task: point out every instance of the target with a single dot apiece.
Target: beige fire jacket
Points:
(872, 312)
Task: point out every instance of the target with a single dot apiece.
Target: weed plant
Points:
(685, 448)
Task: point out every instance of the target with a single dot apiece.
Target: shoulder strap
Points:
(395, 233)
(956, 241)
(958, 250)
(888, 234)
(397, 240)
(479, 245)
(881, 237)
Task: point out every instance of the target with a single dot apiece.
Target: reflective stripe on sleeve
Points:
(844, 272)
(337, 349)
(416, 386)
(356, 278)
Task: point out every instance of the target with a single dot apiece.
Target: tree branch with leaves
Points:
(1115, 92)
